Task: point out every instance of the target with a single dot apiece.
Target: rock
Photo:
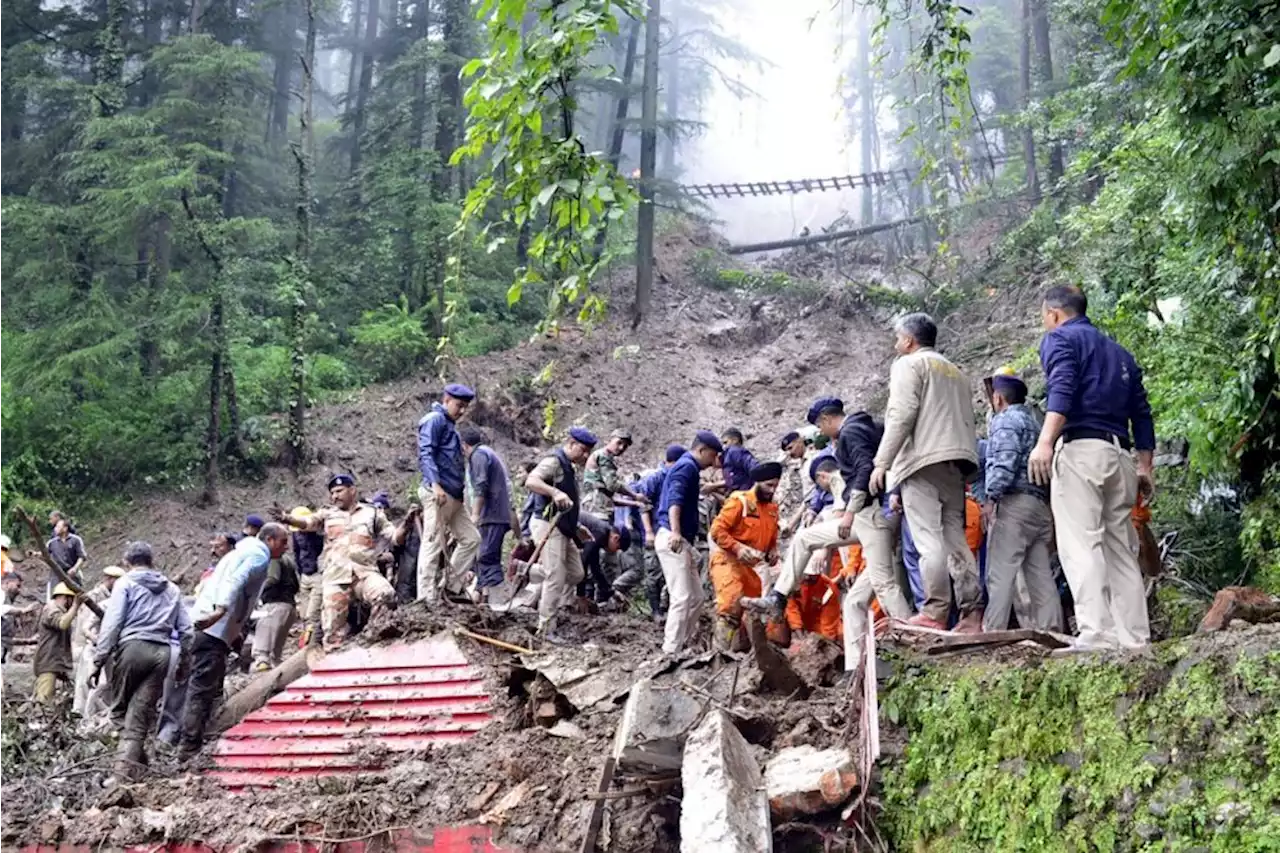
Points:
(655, 722)
(483, 796)
(813, 658)
(564, 728)
(776, 673)
(803, 780)
(724, 807)
(1247, 603)
(1148, 832)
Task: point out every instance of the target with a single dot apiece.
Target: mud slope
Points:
(708, 358)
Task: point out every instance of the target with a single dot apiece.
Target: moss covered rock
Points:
(1173, 750)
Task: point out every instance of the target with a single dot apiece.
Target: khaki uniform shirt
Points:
(350, 540)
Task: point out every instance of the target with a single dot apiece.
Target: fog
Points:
(792, 128)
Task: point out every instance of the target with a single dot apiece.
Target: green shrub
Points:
(391, 340)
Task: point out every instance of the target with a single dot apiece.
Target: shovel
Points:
(522, 571)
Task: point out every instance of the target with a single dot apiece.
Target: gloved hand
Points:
(748, 555)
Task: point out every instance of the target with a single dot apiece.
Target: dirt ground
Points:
(515, 774)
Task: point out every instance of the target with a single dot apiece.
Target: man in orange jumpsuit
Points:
(746, 535)
(814, 607)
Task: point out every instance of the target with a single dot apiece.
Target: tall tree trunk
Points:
(1044, 56)
(157, 277)
(1028, 134)
(672, 98)
(366, 84)
(305, 155)
(450, 93)
(280, 24)
(234, 446)
(353, 67)
(866, 111)
(621, 107)
(213, 434)
(648, 156)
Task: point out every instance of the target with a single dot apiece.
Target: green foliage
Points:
(1153, 754)
(390, 341)
(541, 178)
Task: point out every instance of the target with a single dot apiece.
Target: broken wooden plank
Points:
(953, 642)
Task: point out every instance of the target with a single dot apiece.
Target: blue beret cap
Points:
(788, 438)
(823, 403)
(254, 520)
(624, 538)
(1000, 382)
(816, 461)
(583, 436)
(707, 438)
(380, 499)
(675, 451)
(462, 392)
(341, 480)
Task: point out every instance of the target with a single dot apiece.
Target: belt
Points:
(1077, 433)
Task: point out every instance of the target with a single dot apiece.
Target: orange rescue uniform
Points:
(807, 612)
(742, 520)
(972, 524)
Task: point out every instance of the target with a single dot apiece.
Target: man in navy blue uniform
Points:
(443, 470)
(1095, 394)
(677, 535)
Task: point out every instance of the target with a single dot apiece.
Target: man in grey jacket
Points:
(144, 610)
(929, 448)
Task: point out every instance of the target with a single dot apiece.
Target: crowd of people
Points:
(909, 516)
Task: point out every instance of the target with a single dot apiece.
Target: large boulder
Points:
(724, 809)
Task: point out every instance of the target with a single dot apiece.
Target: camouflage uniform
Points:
(791, 490)
(348, 568)
(600, 482)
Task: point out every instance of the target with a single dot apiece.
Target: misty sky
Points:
(793, 129)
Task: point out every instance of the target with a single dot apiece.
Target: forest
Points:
(217, 212)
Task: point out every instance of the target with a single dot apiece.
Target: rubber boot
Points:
(725, 634)
(547, 634)
(130, 761)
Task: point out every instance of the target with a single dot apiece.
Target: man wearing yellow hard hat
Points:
(53, 661)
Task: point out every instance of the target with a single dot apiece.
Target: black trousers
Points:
(204, 687)
(137, 680)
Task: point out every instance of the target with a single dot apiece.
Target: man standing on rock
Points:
(144, 611)
(929, 449)
(1019, 524)
(1083, 455)
(557, 506)
(491, 511)
(859, 517)
(746, 535)
(218, 616)
(678, 524)
(443, 469)
(348, 563)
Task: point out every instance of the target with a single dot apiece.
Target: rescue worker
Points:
(252, 524)
(1095, 395)
(145, 609)
(67, 550)
(814, 609)
(53, 662)
(736, 461)
(929, 449)
(443, 482)
(218, 617)
(12, 586)
(1019, 523)
(6, 563)
(746, 535)
(676, 543)
(645, 565)
(491, 509)
(599, 539)
(83, 638)
(557, 508)
(278, 613)
(858, 517)
(348, 563)
(791, 487)
(307, 547)
(406, 543)
(602, 485)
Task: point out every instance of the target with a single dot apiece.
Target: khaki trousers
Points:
(855, 610)
(310, 598)
(272, 630)
(366, 586)
(452, 518)
(1094, 486)
(877, 535)
(933, 500)
(561, 561)
(1018, 546)
(684, 587)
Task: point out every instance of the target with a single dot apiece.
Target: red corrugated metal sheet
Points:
(446, 839)
(402, 697)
